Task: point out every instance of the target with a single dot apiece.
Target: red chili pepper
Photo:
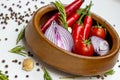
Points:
(73, 18)
(87, 23)
(70, 9)
(77, 32)
(78, 27)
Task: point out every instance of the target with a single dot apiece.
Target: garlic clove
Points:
(28, 64)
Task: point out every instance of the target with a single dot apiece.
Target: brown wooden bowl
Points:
(64, 60)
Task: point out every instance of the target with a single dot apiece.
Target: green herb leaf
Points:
(62, 17)
(111, 72)
(20, 35)
(18, 50)
(46, 74)
(3, 76)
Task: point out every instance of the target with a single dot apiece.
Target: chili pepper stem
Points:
(83, 11)
(80, 20)
(89, 7)
(79, 11)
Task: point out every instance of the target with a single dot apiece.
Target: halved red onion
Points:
(59, 36)
(101, 46)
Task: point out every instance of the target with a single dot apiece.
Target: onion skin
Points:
(59, 36)
(101, 46)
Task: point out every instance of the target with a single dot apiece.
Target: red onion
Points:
(59, 36)
(101, 46)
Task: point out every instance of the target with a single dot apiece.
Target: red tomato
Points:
(83, 48)
(98, 31)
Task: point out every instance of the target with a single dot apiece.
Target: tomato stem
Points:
(98, 25)
(87, 42)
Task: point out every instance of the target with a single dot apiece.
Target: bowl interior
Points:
(46, 16)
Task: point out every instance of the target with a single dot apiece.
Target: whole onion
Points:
(59, 36)
(101, 46)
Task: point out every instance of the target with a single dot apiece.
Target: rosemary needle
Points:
(110, 72)
(20, 35)
(18, 50)
(46, 74)
(3, 76)
(62, 17)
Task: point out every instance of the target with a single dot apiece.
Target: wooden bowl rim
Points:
(38, 30)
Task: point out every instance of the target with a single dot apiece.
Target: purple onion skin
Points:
(101, 46)
(59, 36)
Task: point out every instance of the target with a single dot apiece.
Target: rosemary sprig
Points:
(20, 35)
(18, 50)
(62, 17)
(3, 76)
(46, 74)
(110, 72)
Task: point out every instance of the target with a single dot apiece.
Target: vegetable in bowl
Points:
(101, 46)
(79, 40)
(59, 36)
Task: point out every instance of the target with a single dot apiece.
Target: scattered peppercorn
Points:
(7, 76)
(2, 4)
(114, 25)
(19, 62)
(38, 69)
(36, 7)
(119, 66)
(5, 6)
(19, 1)
(6, 72)
(105, 75)
(3, 61)
(16, 30)
(42, 2)
(6, 66)
(37, 64)
(15, 61)
(6, 39)
(3, 27)
(27, 3)
(29, 9)
(16, 76)
(117, 60)
(27, 76)
(98, 76)
(13, 4)
(30, 54)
